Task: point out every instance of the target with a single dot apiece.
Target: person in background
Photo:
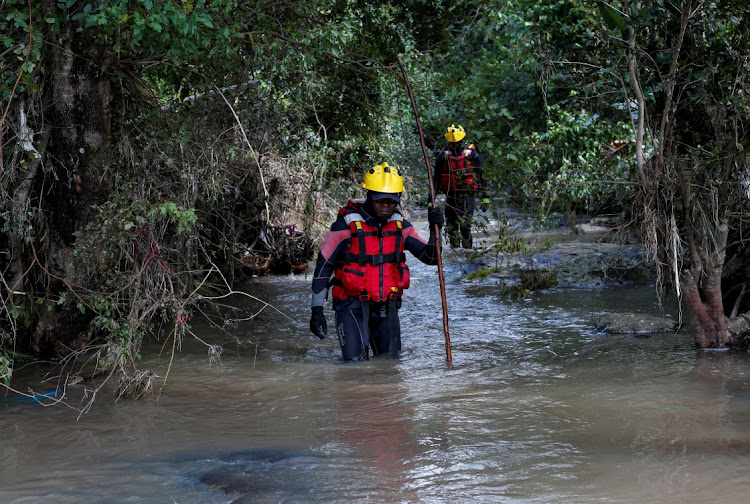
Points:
(362, 257)
(458, 175)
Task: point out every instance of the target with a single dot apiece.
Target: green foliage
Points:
(198, 39)
(21, 44)
(573, 162)
(529, 280)
(509, 245)
(510, 80)
(480, 274)
(613, 19)
(537, 279)
(185, 219)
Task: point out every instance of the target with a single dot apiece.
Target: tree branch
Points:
(638, 91)
(670, 104)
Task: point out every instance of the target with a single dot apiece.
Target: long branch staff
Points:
(441, 275)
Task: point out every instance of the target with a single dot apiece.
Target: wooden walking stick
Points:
(438, 246)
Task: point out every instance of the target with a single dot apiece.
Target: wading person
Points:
(364, 253)
(458, 175)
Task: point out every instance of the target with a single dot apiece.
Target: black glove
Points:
(318, 325)
(435, 216)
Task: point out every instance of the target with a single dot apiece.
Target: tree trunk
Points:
(703, 297)
(77, 104)
(707, 321)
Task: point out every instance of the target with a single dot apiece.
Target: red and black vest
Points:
(458, 172)
(374, 268)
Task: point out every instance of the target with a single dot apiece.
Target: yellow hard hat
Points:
(383, 178)
(455, 134)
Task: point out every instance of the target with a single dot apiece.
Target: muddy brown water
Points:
(537, 408)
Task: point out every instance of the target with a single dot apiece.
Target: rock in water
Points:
(635, 323)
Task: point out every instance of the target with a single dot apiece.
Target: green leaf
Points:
(613, 19)
(205, 21)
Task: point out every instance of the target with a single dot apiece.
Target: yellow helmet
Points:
(455, 134)
(383, 178)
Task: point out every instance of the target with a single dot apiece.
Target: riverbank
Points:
(587, 255)
(517, 259)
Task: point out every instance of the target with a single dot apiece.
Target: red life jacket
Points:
(374, 268)
(458, 172)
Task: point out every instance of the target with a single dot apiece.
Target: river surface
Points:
(537, 407)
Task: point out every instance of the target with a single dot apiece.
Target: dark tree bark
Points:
(704, 302)
(77, 103)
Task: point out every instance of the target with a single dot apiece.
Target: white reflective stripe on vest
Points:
(353, 217)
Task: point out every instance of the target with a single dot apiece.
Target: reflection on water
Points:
(537, 407)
